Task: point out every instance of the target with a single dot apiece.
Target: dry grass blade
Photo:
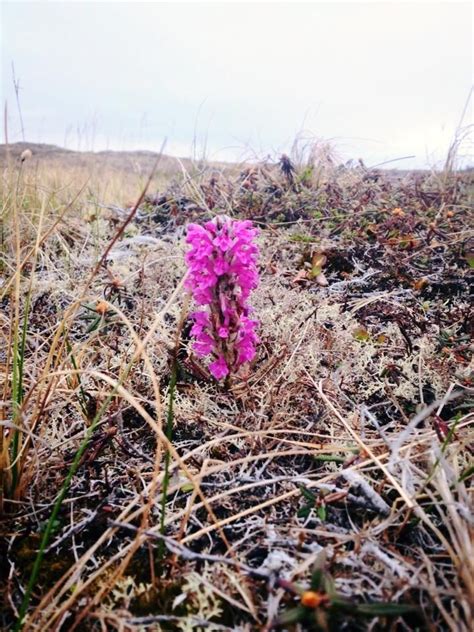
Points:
(349, 435)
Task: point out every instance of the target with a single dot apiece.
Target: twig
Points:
(363, 445)
(186, 554)
(417, 419)
(168, 618)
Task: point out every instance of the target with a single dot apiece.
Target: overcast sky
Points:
(379, 81)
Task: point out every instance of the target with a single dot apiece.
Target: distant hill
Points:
(140, 160)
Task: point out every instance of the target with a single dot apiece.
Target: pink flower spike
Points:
(219, 368)
(222, 272)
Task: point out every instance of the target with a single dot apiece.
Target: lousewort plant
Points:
(222, 272)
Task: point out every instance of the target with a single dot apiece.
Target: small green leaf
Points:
(322, 513)
(304, 511)
(318, 576)
(294, 615)
(307, 494)
(339, 603)
(385, 609)
(467, 473)
(317, 580)
(361, 334)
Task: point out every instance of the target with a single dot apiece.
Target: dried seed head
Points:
(101, 308)
(222, 272)
(26, 154)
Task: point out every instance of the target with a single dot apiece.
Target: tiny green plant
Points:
(321, 608)
(169, 436)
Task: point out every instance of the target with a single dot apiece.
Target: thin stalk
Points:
(83, 395)
(16, 381)
(15, 410)
(446, 443)
(170, 419)
(21, 357)
(19, 348)
(169, 436)
(5, 473)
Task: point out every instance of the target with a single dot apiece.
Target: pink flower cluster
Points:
(222, 272)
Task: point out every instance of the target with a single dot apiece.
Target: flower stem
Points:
(169, 436)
